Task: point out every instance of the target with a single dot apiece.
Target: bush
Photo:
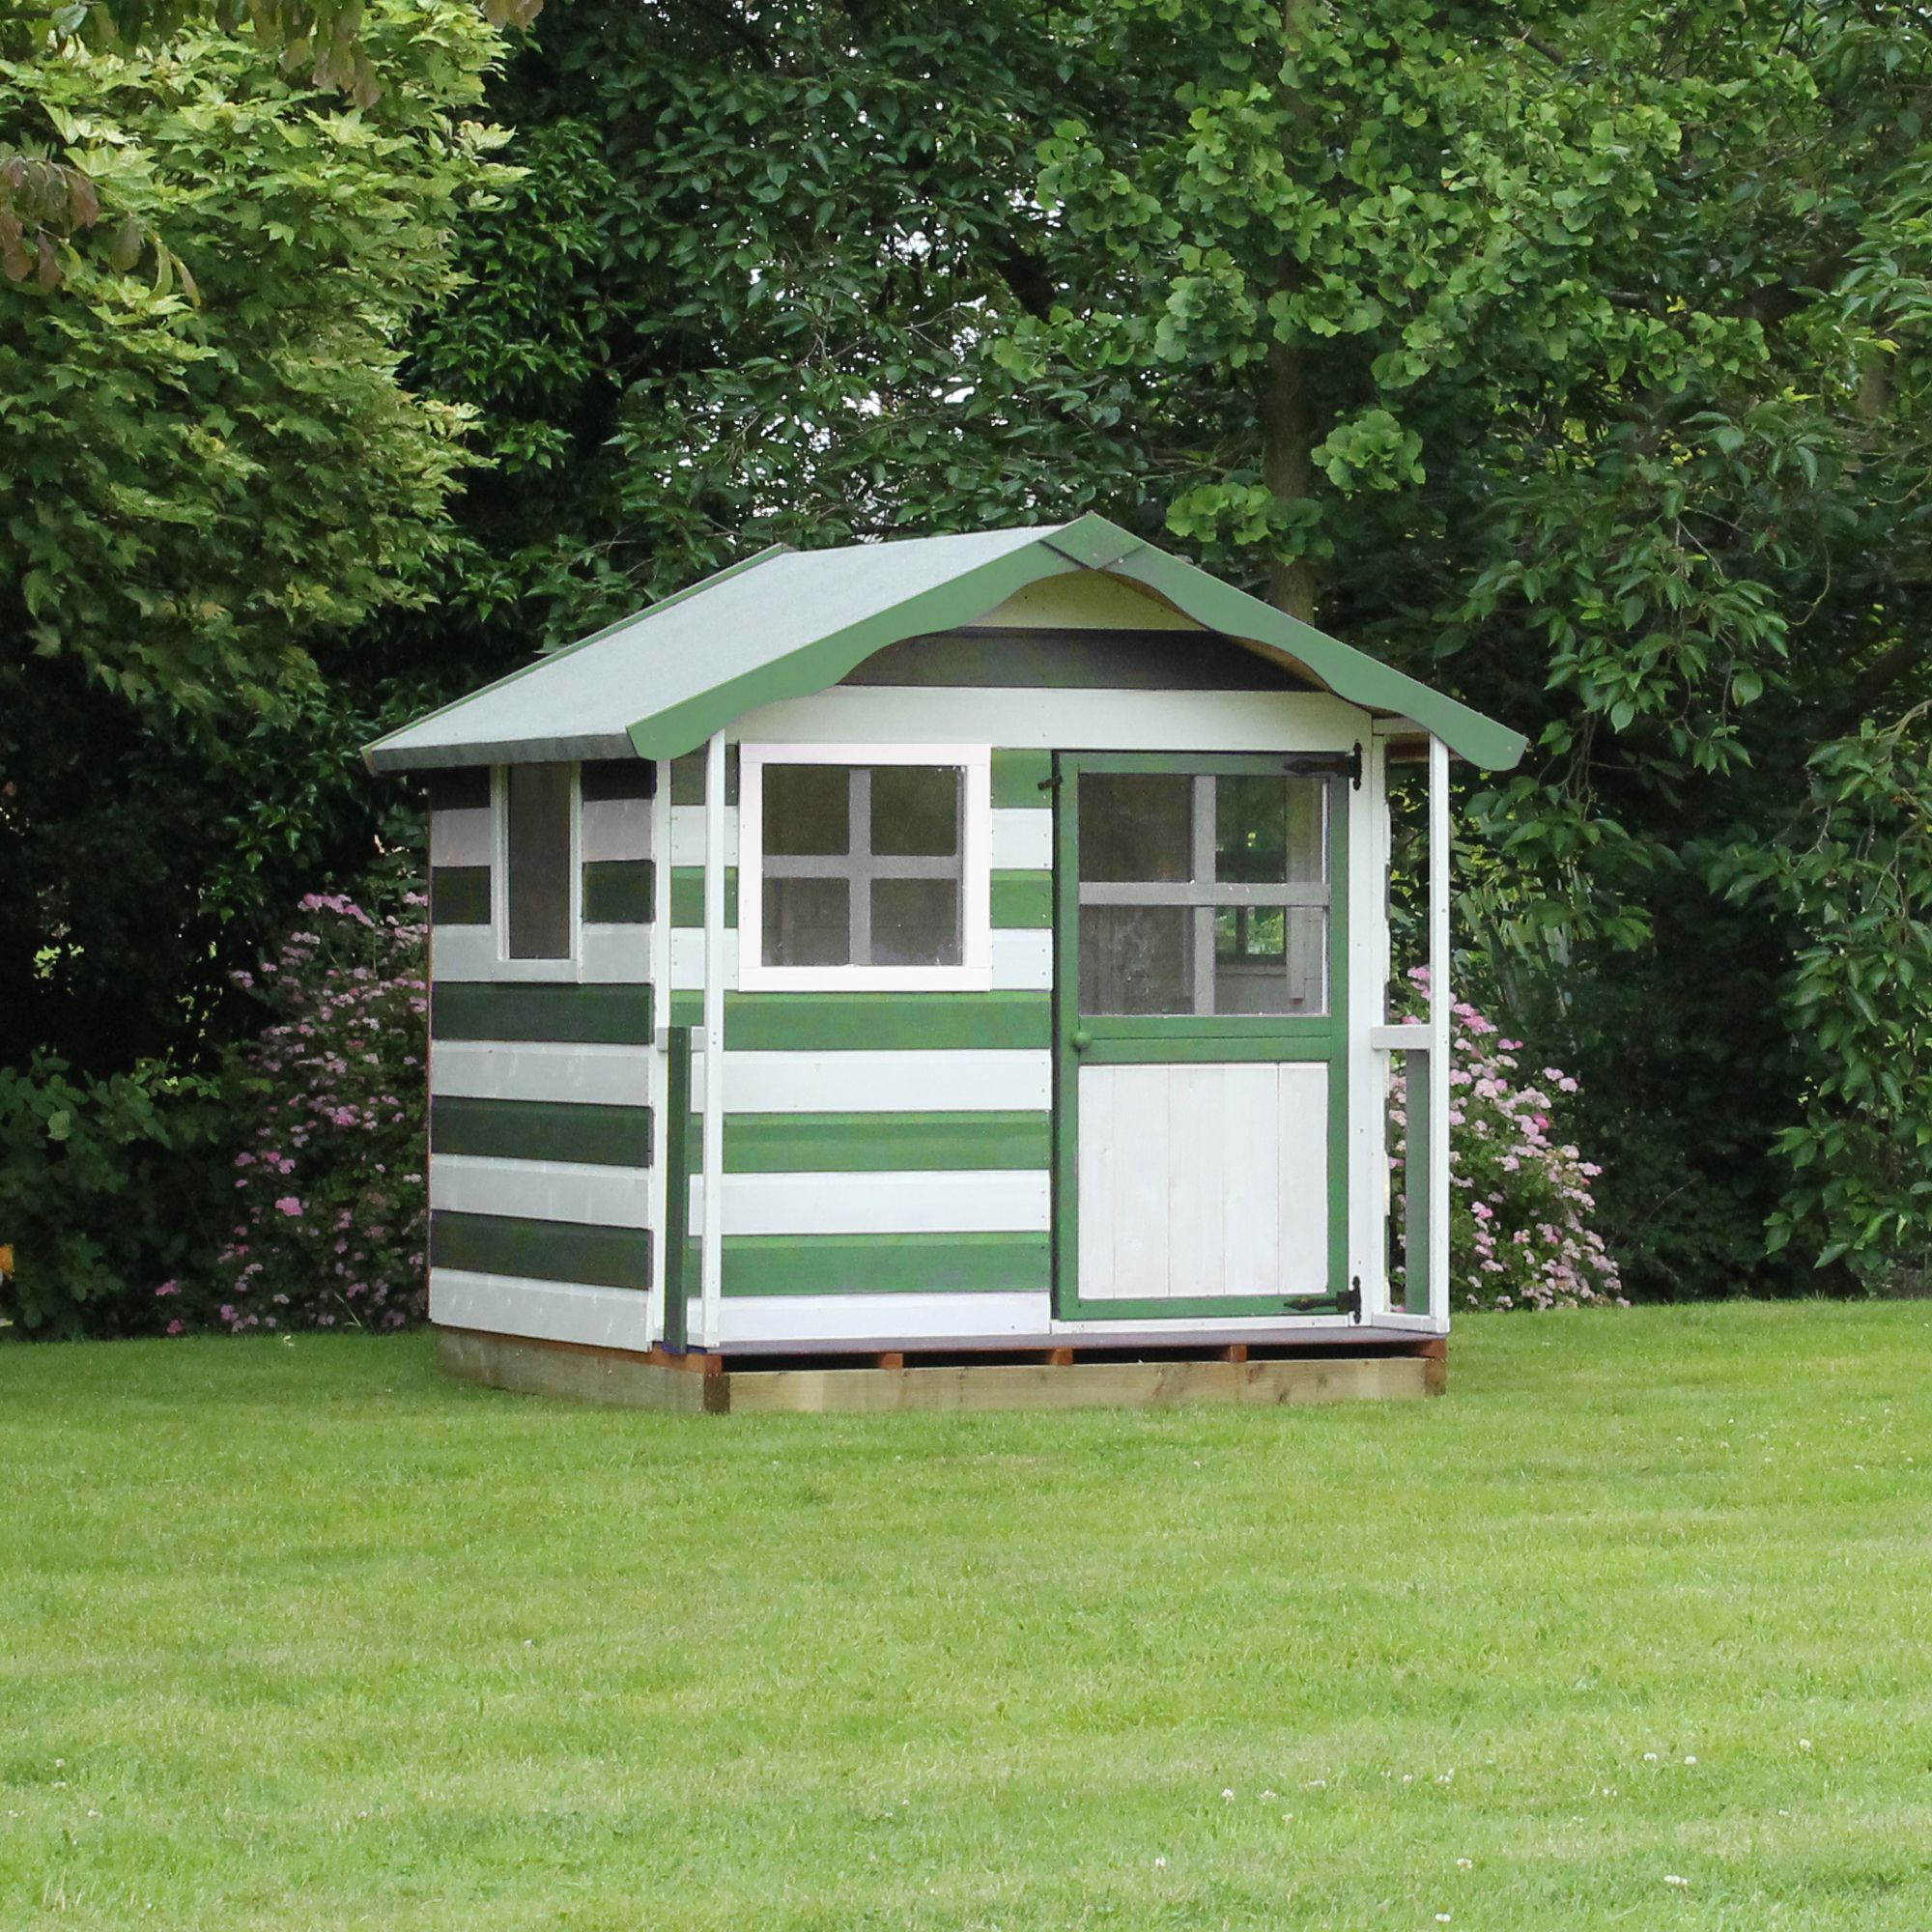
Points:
(102, 1190)
(1521, 1202)
(331, 1210)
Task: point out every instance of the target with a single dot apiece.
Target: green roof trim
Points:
(787, 623)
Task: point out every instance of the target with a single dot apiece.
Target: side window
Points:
(865, 867)
(538, 805)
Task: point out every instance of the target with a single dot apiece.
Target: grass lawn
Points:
(1634, 1629)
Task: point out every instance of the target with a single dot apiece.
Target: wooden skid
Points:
(695, 1385)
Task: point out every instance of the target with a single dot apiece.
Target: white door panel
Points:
(1203, 1178)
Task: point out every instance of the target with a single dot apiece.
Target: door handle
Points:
(1080, 1039)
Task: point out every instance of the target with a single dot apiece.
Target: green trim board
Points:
(687, 777)
(1047, 656)
(792, 623)
(1021, 779)
(599, 1134)
(618, 891)
(601, 1016)
(459, 788)
(459, 896)
(601, 779)
(881, 1142)
(834, 1022)
(540, 1250)
(1138, 1039)
(886, 1263)
(681, 1266)
(1022, 900)
(687, 896)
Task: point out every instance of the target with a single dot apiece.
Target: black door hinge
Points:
(1351, 1302)
(1321, 764)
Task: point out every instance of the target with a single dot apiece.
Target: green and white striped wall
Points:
(887, 1155)
(543, 1082)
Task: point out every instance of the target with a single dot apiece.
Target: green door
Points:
(1200, 1025)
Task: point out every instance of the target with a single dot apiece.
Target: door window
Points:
(1204, 894)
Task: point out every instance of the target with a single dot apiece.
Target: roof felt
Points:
(786, 623)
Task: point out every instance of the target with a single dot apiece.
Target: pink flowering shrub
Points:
(331, 1211)
(1520, 1233)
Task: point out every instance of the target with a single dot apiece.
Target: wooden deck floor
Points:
(1064, 1378)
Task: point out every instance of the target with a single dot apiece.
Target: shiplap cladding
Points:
(891, 1151)
(542, 1139)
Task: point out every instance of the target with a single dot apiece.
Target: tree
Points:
(211, 467)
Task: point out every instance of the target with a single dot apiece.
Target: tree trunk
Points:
(1286, 409)
(1287, 438)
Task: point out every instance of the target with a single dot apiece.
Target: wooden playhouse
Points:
(952, 970)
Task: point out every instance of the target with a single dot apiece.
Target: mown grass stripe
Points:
(1022, 898)
(540, 1250)
(884, 1264)
(540, 1130)
(832, 1022)
(881, 1142)
(618, 891)
(459, 896)
(687, 896)
(1018, 776)
(586, 1016)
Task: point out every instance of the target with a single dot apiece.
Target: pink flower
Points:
(177, 1329)
(290, 1207)
(168, 1287)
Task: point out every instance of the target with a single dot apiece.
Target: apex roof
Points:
(786, 623)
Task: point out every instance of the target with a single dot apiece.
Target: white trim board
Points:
(892, 1202)
(459, 835)
(616, 827)
(541, 1190)
(607, 956)
(545, 1311)
(985, 1080)
(687, 836)
(488, 1069)
(1062, 719)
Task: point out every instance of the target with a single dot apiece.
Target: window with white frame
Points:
(865, 867)
(537, 842)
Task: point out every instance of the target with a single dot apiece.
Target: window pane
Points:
(807, 921)
(1136, 825)
(915, 922)
(1267, 831)
(539, 862)
(1268, 959)
(808, 809)
(1137, 959)
(916, 810)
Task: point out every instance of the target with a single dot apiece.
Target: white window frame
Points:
(568, 966)
(974, 971)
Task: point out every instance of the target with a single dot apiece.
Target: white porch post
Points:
(659, 977)
(711, 1239)
(1438, 1032)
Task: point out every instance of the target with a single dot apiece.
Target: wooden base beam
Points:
(708, 1385)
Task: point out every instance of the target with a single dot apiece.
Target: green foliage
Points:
(1853, 874)
(211, 393)
(91, 1194)
(333, 1212)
